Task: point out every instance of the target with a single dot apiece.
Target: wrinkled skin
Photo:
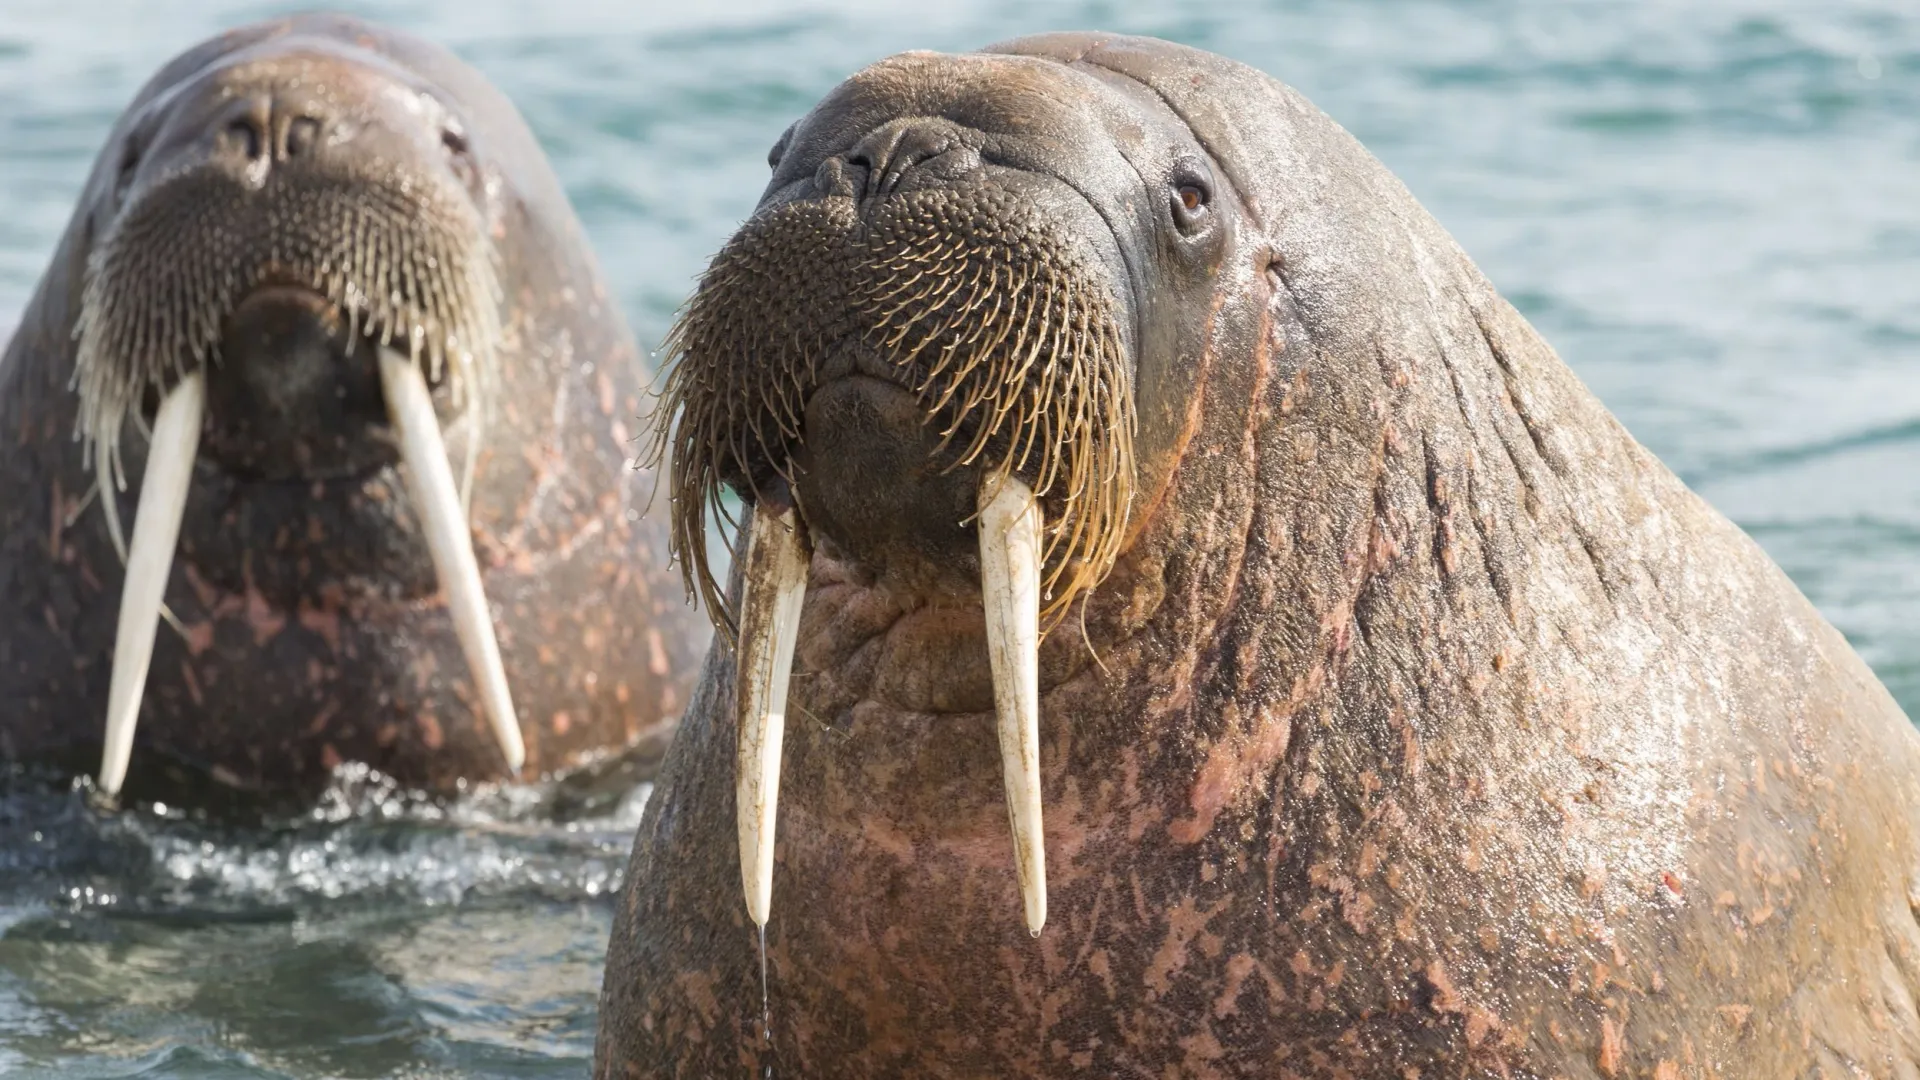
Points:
(1438, 730)
(316, 632)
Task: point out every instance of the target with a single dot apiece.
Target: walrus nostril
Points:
(246, 138)
(840, 177)
(459, 154)
(264, 130)
(303, 136)
(912, 153)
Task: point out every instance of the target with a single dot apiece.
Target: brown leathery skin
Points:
(315, 632)
(1437, 729)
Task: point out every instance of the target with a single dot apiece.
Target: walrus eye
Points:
(129, 165)
(459, 153)
(1191, 195)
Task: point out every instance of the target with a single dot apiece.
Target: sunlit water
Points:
(1712, 209)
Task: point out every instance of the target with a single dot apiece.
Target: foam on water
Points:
(366, 840)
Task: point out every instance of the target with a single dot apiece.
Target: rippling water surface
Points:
(1712, 210)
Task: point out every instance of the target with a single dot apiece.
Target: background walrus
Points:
(1423, 725)
(298, 232)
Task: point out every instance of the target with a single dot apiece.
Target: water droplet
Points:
(766, 1009)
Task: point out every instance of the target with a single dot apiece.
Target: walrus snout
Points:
(341, 192)
(256, 131)
(902, 155)
(992, 323)
(311, 108)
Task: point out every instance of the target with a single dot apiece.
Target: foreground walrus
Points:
(1424, 725)
(301, 241)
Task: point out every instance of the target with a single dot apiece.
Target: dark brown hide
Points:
(1437, 728)
(314, 629)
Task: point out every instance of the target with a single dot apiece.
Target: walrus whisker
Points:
(156, 529)
(1086, 639)
(443, 522)
(1008, 326)
(73, 513)
(476, 430)
(775, 588)
(1009, 522)
(962, 339)
(1023, 384)
(890, 290)
(106, 466)
(913, 354)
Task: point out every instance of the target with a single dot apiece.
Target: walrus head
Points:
(292, 264)
(923, 364)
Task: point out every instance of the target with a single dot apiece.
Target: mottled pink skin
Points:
(316, 632)
(1437, 730)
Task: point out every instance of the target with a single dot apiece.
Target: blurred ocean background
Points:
(1712, 209)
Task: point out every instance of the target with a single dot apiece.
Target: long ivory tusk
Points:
(156, 530)
(776, 584)
(436, 501)
(1010, 583)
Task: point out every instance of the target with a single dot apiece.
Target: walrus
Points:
(325, 333)
(1397, 713)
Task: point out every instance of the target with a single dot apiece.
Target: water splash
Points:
(365, 840)
(380, 934)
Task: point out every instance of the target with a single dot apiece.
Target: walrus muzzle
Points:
(962, 313)
(404, 261)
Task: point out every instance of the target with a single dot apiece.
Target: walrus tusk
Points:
(156, 529)
(776, 584)
(1010, 582)
(436, 500)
